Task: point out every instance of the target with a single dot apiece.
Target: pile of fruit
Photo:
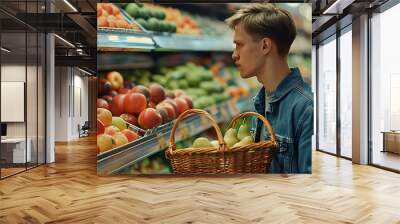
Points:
(162, 19)
(232, 138)
(150, 17)
(185, 24)
(195, 81)
(143, 106)
(211, 27)
(112, 131)
(109, 16)
(149, 166)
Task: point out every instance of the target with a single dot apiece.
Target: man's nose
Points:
(235, 55)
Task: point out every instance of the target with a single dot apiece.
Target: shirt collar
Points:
(292, 80)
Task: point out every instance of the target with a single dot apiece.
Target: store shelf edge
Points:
(118, 41)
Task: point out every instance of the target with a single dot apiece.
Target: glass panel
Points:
(327, 96)
(41, 100)
(346, 94)
(314, 89)
(385, 84)
(31, 98)
(13, 86)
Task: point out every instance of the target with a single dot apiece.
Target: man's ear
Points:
(266, 45)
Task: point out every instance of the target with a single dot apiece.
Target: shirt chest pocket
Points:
(282, 159)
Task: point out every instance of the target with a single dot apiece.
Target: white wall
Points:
(71, 94)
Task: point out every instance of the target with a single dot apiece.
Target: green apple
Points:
(119, 123)
(104, 142)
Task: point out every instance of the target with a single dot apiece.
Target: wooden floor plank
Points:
(69, 191)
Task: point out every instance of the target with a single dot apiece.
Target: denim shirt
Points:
(290, 113)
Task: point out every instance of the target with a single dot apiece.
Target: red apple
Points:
(129, 118)
(130, 135)
(135, 103)
(108, 7)
(157, 93)
(119, 139)
(104, 142)
(173, 104)
(143, 90)
(102, 103)
(149, 118)
(104, 116)
(100, 127)
(117, 104)
(152, 104)
(113, 93)
(188, 101)
(104, 87)
(181, 105)
(108, 98)
(164, 114)
(124, 91)
(111, 130)
(102, 20)
(115, 78)
(169, 108)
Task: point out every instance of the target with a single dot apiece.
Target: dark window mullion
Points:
(26, 86)
(338, 93)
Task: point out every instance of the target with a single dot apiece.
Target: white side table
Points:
(18, 149)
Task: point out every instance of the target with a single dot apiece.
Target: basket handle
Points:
(193, 112)
(264, 120)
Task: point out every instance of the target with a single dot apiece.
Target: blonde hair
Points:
(266, 20)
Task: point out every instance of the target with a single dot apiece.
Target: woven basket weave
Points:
(252, 158)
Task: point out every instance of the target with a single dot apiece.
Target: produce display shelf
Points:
(193, 43)
(119, 158)
(113, 40)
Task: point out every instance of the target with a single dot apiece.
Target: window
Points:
(346, 93)
(385, 88)
(327, 96)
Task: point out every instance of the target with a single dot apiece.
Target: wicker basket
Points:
(252, 158)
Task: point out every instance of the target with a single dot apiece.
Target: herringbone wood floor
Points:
(69, 191)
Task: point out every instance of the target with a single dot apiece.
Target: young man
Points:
(263, 35)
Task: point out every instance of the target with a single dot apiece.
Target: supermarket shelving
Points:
(112, 161)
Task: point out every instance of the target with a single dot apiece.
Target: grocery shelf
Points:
(119, 158)
(113, 40)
